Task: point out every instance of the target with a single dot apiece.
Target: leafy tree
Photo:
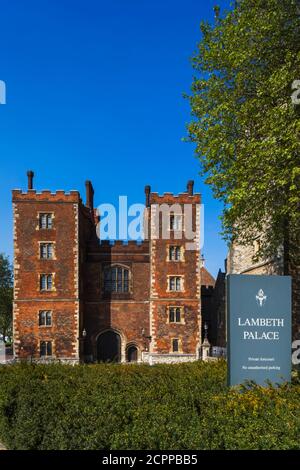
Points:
(245, 125)
(6, 296)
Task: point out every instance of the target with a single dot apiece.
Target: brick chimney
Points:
(147, 192)
(190, 187)
(30, 176)
(89, 195)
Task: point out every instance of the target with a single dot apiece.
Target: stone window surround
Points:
(44, 340)
(130, 279)
(182, 252)
(182, 316)
(182, 228)
(168, 282)
(38, 219)
(47, 242)
(179, 345)
(53, 282)
(38, 316)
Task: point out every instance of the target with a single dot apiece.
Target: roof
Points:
(206, 278)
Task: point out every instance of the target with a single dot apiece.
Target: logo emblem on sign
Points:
(261, 297)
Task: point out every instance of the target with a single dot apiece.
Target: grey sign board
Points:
(258, 328)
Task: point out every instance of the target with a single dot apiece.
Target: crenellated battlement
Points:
(137, 243)
(121, 247)
(171, 198)
(187, 197)
(46, 196)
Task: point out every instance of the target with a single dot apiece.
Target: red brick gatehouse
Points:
(77, 298)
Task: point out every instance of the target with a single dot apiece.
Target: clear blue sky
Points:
(94, 91)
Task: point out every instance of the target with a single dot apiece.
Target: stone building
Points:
(240, 261)
(77, 298)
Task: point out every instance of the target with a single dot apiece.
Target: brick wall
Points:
(125, 313)
(63, 300)
(188, 331)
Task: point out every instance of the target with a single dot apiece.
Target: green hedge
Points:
(167, 407)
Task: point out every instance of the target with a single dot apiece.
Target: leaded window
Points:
(45, 220)
(46, 282)
(174, 314)
(174, 253)
(116, 279)
(45, 318)
(176, 222)
(46, 250)
(175, 283)
(46, 348)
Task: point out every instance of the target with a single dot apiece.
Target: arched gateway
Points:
(109, 346)
(132, 353)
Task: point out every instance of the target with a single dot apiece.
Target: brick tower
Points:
(46, 273)
(175, 318)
